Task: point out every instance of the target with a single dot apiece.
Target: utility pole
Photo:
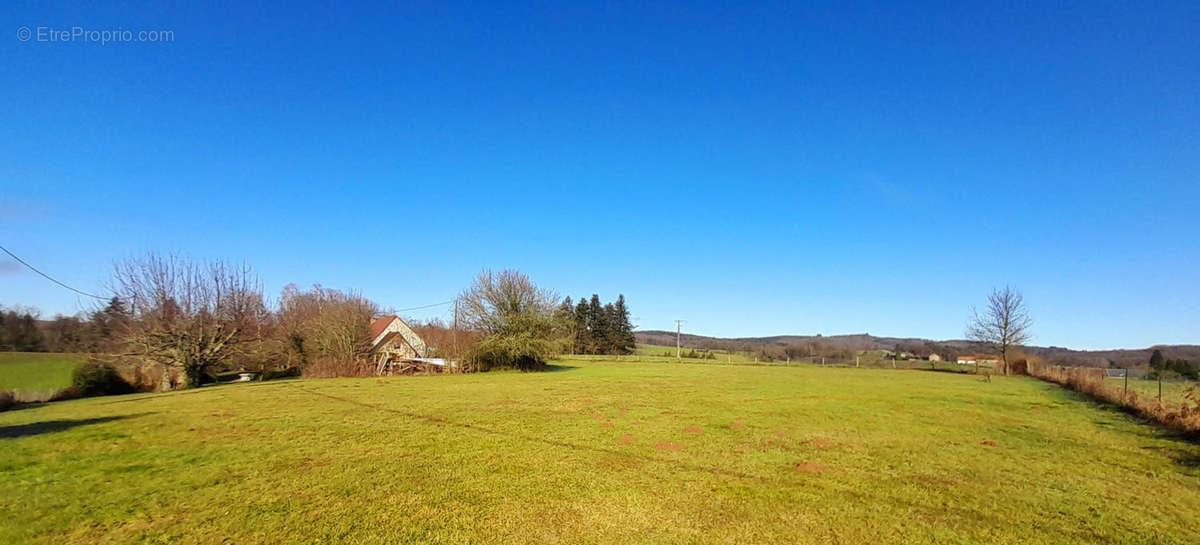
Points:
(454, 329)
(678, 344)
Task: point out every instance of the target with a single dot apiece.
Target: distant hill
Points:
(946, 348)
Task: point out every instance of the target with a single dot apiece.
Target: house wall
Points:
(398, 326)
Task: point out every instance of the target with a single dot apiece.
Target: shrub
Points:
(273, 374)
(338, 367)
(6, 400)
(98, 379)
(142, 377)
(517, 320)
(516, 348)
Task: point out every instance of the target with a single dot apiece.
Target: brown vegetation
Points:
(325, 332)
(445, 341)
(668, 445)
(809, 467)
(1091, 382)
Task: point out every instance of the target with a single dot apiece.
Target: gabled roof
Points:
(396, 335)
(379, 324)
(386, 328)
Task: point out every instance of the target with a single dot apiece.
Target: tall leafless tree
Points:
(1004, 324)
(326, 330)
(186, 314)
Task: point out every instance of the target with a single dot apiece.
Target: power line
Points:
(48, 277)
(426, 306)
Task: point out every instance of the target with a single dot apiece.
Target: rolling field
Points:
(36, 371)
(598, 452)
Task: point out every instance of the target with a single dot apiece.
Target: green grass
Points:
(35, 371)
(784, 455)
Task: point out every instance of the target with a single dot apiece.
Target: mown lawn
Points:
(599, 452)
(36, 371)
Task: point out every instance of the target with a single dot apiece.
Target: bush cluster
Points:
(7, 400)
(98, 379)
(272, 374)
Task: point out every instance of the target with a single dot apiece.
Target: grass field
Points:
(36, 372)
(869, 358)
(599, 452)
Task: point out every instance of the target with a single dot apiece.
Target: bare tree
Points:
(326, 330)
(188, 315)
(1004, 324)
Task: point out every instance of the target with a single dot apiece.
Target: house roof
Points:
(379, 324)
(396, 336)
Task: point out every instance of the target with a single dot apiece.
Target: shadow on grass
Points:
(1189, 460)
(51, 426)
(558, 368)
(1183, 448)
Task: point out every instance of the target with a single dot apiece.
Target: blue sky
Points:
(752, 170)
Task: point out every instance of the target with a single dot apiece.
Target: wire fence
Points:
(1171, 390)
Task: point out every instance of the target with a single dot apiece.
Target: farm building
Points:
(394, 342)
(978, 359)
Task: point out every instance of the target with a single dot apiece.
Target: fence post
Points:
(1126, 394)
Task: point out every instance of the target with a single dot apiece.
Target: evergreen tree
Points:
(583, 337)
(107, 325)
(598, 328)
(565, 316)
(611, 329)
(1156, 361)
(625, 342)
(596, 325)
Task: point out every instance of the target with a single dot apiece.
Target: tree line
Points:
(21, 330)
(1163, 367)
(190, 319)
(593, 328)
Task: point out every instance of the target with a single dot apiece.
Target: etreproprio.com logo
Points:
(78, 34)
